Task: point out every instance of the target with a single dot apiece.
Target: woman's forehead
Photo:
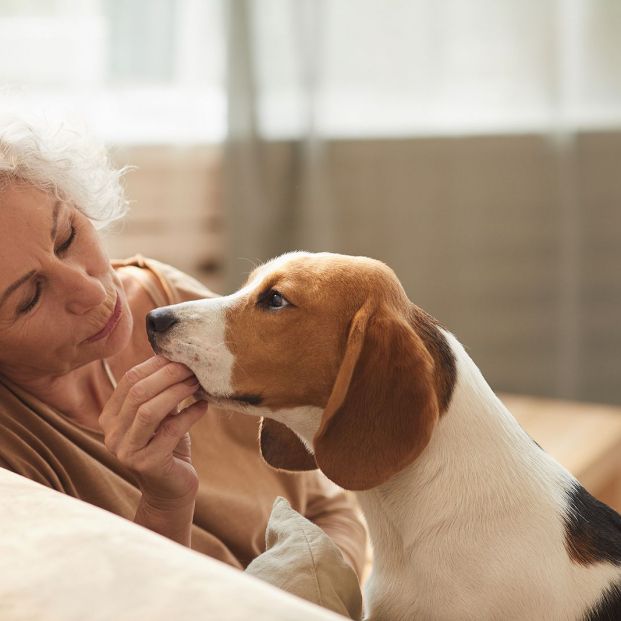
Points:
(28, 220)
(20, 200)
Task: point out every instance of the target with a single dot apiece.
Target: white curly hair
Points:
(67, 163)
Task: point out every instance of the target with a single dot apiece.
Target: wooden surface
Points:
(584, 437)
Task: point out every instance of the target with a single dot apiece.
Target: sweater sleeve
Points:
(337, 514)
(18, 453)
(178, 286)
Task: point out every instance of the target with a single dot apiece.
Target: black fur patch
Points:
(249, 399)
(435, 342)
(592, 530)
(608, 608)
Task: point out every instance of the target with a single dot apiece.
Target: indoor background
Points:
(473, 145)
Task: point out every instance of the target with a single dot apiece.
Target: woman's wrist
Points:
(170, 518)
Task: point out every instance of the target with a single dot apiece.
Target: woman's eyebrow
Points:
(24, 279)
(18, 283)
(55, 211)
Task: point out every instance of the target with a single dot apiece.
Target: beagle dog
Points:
(469, 518)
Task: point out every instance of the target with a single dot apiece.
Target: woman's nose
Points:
(85, 291)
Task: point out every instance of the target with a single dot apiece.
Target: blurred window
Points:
(154, 70)
(134, 70)
(416, 67)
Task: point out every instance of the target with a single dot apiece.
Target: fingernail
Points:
(191, 381)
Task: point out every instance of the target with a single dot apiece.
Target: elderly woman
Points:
(85, 407)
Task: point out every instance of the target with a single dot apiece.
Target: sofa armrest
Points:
(63, 559)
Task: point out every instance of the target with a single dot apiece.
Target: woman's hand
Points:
(143, 430)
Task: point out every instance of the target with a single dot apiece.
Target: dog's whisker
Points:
(254, 263)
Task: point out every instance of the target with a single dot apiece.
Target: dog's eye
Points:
(276, 300)
(273, 299)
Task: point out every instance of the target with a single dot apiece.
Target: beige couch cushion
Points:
(64, 560)
(301, 559)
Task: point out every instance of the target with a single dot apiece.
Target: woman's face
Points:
(61, 303)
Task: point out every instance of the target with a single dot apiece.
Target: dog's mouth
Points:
(202, 395)
(246, 399)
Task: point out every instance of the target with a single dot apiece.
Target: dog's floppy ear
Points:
(383, 405)
(281, 447)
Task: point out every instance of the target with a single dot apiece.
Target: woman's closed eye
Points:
(31, 302)
(60, 251)
(67, 243)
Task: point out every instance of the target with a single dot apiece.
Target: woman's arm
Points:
(170, 520)
(143, 429)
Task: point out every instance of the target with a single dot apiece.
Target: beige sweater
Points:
(237, 488)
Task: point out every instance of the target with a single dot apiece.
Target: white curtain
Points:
(269, 215)
(407, 67)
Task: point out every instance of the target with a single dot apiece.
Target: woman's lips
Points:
(114, 319)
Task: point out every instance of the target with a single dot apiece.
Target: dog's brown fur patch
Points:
(291, 356)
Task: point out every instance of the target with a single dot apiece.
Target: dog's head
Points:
(330, 351)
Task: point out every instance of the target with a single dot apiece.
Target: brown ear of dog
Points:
(383, 407)
(281, 448)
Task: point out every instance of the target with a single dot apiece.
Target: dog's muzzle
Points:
(159, 321)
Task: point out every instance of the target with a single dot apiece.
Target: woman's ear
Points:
(383, 407)
(281, 448)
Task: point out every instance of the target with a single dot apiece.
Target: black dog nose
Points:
(160, 320)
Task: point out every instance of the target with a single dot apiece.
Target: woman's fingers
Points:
(165, 475)
(130, 379)
(150, 414)
(150, 385)
(140, 429)
(173, 428)
(133, 376)
(139, 385)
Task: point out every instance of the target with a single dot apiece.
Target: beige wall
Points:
(175, 212)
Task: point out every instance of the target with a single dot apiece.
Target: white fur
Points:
(304, 421)
(197, 340)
